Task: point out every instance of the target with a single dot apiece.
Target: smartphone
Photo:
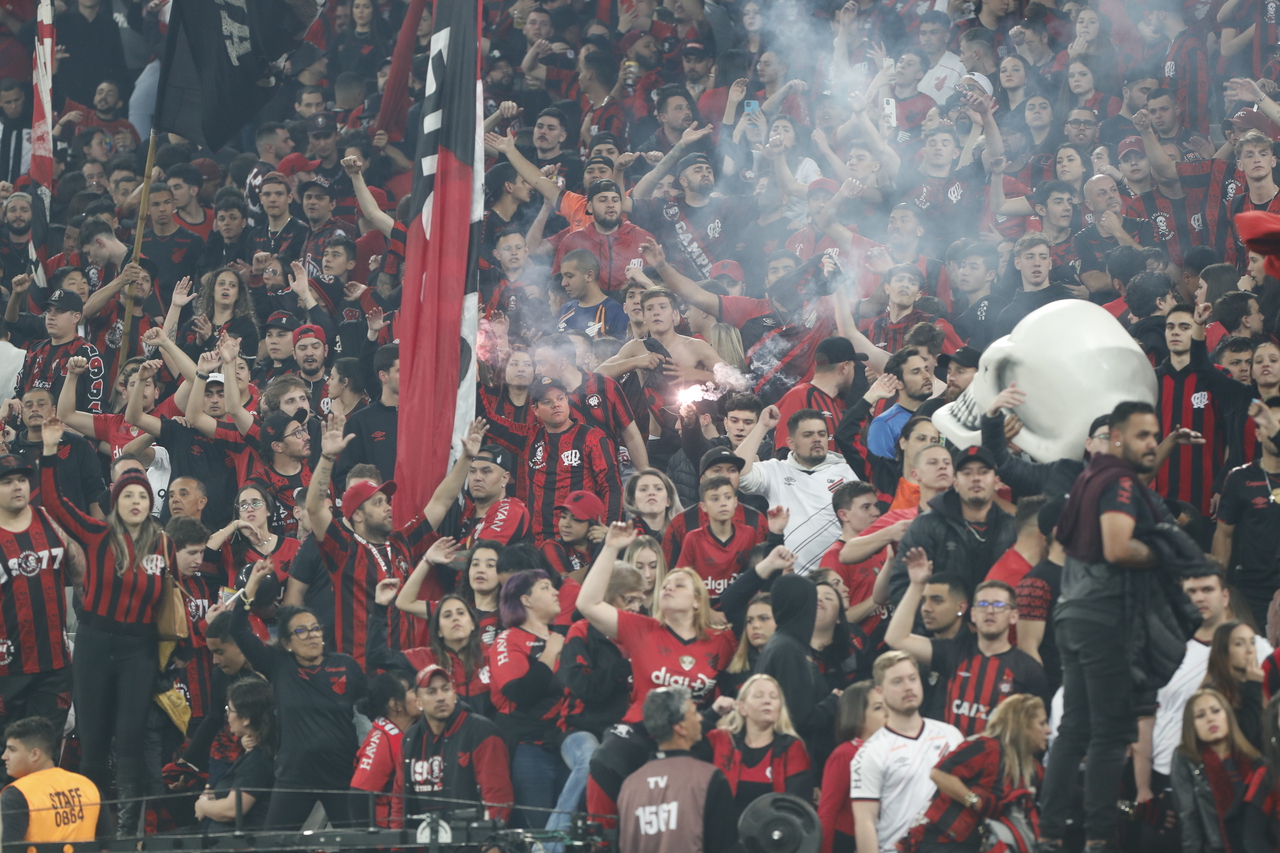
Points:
(226, 594)
(751, 106)
(887, 63)
(891, 111)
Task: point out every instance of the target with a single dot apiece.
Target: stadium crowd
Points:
(703, 542)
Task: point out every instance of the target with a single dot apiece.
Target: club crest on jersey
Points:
(1200, 399)
(26, 564)
(1271, 12)
(687, 662)
(713, 230)
(571, 457)
(1169, 68)
(153, 564)
(671, 211)
(832, 485)
(1197, 222)
(955, 192)
(6, 652)
(593, 400)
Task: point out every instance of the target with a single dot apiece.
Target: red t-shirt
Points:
(1011, 568)
(716, 562)
(661, 659)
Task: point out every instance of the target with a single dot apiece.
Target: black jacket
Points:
(374, 428)
(1022, 477)
(950, 544)
(1161, 617)
(1198, 815)
(1149, 333)
(466, 761)
(810, 701)
(598, 678)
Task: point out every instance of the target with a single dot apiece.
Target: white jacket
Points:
(807, 493)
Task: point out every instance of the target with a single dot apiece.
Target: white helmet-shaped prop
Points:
(1074, 361)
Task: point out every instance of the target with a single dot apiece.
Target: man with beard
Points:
(914, 385)
(674, 111)
(107, 112)
(980, 667)
(959, 368)
(835, 367)
(1109, 513)
(889, 785)
(322, 131)
(813, 525)
(15, 255)
(1139, 83)
(615, 243)
(311, 352)
(1081, 127)
(15, 131)
(550, 130)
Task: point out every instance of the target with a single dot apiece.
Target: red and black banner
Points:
(439, 308)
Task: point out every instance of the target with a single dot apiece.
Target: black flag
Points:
(222, 62)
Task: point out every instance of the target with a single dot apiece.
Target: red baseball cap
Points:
(360, 491)
(430, 671)
(583, 506)
(1130, 143)
(310, 330)
(1251, 119)
(823, 185)
(730, 268)
(295, 163)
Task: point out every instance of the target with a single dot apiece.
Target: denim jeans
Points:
(537, 775)
(576, 750)
(1097, 724)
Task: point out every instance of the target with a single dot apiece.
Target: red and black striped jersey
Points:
(1065, 261)
(507, 521)
(127, 597)
(581, 458)
(977, 683)
(693, 518)
(1232, 248)
(806, 395)
(1210, 186)
(105, 331)
(33, 602)
(565, 558)
(527, 701)
(1186, 72)
(313, 248)
(356, 565)
(196, 678)
(1202, 398)
(45, 367)
(599, 402)
(717, 561)
(1177, 222)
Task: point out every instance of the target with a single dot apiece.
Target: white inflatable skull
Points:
(1073, 360)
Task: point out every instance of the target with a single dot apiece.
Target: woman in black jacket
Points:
(1210, 773)
(316, 695)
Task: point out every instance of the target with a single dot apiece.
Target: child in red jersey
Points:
(718, 550)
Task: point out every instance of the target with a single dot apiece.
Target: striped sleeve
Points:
(81, 526)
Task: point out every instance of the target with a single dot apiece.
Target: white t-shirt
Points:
(807, 493)
(894, 769)
(1172, 699)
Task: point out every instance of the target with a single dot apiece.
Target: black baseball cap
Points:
(150, 267)
(965, 356)
(696, 49)
(690, 160)
(278, 424)
(540, 388)
(836, 350)
(65, 300)
(499, 456)
(316, 185)
(604, 186)
(600, 160)
(1098, 423)
(605, 137)
(977, 453)
(283, 320)
(318, 123)
(10, 464)
(716, 455)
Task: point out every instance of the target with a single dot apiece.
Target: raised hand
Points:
(203, 326)
(770, 417)
(1243, 89)
(619, 536)
(694, 134)
(260, 261)
(1203, 314)
(886, 385)
(332, 440)
(375, 320)
(654, 255)
(76, 365)
(386, 590)
(52, 434)
(209, 362)
(149, 369)
(1010, 398)
(919, 566)
(779, 517)
(474, 439)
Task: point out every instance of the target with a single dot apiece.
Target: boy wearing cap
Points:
(46, 361)
(318, 201)
(835, 367)
(175, 250)
(311, 351)
(453, 753)
(275, 231)
(278, 335)
(614, 241)
(571, 551)
(716, 462)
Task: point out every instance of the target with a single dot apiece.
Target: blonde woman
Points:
(979, 782)
(757, 748)
(650, 500)
(726, 340)
(757, 628)
(676, 646)
(646, 555)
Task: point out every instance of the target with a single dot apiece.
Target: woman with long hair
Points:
(757, 748)
(1233, 671)
(392, 706)
(223, 305)
(1093, 42)
(859, 714)
(250, 538)
(991, 776)
(1017, 81)
(362, 47)
(753, 39)
(479, 585)
(1210, 772)
(787, 150)
(251, 716)
(527, 696)
(1082, 91)
(645, 553)
(757, 628)
(1266, 370)
(650, 500)
(831, 645)
(1262, 799)
(318, 746)
(116, 651)
(726, 340)
(676, 645)
(508, 397)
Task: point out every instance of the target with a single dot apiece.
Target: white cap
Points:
(216, 377)
(982, 81)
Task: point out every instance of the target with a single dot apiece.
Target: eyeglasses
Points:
(312, 631)
(1081, 122)
(297, 433)
(230, 710)
(256, 503)
(1102, 436)
(997, 606)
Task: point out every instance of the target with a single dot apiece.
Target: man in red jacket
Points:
(615, 243)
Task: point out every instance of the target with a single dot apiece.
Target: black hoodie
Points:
(786, 657)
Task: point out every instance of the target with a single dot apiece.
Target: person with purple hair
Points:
(528, 697)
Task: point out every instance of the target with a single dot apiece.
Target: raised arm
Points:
(182, 297)
(447, 492)
(1163, 169)
(601, 614)
(441, 552)
(368, 206)
(683, 286)
(81, 422)
(197, 417)
(645, 186)
(898, 635)
(228, 351)
(133, 413)
(749, 450)
(998, 202)
(83, 527)
(506, 145)
(100, 297)
(1244, 89)
(332, 442)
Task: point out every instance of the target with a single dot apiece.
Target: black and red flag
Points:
(438, 318)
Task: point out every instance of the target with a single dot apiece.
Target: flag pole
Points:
(126, 344)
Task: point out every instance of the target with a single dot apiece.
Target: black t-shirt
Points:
(568, 166)
(1249, 503)
(1092, 247)
(308, 568)
(195, 455)
(977, 325)
(1114, 130)
(253, 769)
